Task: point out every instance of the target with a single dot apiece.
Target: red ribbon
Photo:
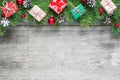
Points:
(58, 4)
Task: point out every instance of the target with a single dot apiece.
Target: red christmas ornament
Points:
(117, 25)
(23, 16)
(101, 10)
(20, 2)
(51, 20)
(2, 15)
(84, 1)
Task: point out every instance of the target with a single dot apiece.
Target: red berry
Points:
(84, 0)
(117, 25)
(23, 16)
(3, 15)
(101, 10)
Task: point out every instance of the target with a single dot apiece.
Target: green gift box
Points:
(78, 11)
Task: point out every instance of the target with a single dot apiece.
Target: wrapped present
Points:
(9, 9)
(37, 13)
(109, 6)
(58, 5)
(78, 11)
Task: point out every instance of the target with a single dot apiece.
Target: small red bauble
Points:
(84, 1)
(23, 16)
(101, 10)
(51, 20)
(2, 15)
(117, 25)
(20, 2)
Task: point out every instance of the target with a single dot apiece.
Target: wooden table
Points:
(67, 53)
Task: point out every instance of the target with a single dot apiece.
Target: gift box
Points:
(9, 9)
(78, 11)
(58, 5)
(108, 5)
(37, 13)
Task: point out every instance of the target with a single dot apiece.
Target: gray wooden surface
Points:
(69, 53)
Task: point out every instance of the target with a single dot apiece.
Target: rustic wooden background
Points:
(67, 53)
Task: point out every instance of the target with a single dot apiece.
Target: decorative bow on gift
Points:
(78, 11)
(59, 4)
(37, 14)
(9, 8)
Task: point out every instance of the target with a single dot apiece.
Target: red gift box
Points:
(9, 9)
(58, 5)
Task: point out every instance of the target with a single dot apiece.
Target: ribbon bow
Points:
(58, 4)
(37, 14)
(78, 11)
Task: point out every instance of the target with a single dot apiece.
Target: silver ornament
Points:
(4, 22)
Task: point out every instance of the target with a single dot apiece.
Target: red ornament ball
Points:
(2, 15)
(23, 16)
(84, 1)
(19, 2)
(101, 10)
(51, 20)
(117, 25)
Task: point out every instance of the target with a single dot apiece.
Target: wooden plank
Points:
(67, 53)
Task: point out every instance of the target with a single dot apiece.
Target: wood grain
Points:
(67, 53)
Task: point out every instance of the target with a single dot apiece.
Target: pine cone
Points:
(61, 18)
(27, 3)
(107, 20)
(91, 3)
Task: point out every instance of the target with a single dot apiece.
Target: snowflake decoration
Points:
(4, 22)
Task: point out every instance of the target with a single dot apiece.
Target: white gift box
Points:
(108, 5)
(37, 13)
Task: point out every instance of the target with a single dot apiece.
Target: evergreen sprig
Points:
(90, 18)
